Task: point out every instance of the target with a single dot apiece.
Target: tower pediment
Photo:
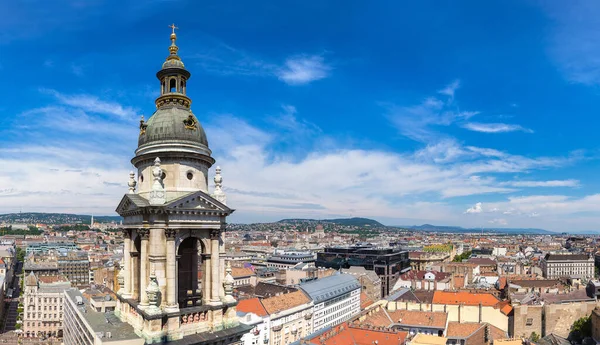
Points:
(198, 201)
(195, 202)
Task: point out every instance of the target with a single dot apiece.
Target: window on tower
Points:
(172, 85)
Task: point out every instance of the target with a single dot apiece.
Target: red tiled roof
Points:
(505, 307)
(284, 301)
(502, 283)
(462, 330)
(238, 272)
(369, 337)
(252, 305)
(466, 298)
(345, 334)
(377, 317)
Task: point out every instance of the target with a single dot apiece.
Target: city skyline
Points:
(407, 114)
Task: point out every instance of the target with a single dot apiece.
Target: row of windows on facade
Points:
(52, 300)
(75, 333)
(287, 337)
(242, 282)
(291, 317)
(338, 307)
(43, 324)
(336, 316)
(39, 308)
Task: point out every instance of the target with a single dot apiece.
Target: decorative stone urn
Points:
(153, 292)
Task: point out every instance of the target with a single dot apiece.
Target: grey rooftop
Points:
(102, 322)
(330, 287)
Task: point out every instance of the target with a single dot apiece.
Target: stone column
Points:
(171, 270)
(215, 275)
(145, 234)
(135, 275)
(127, 264)
(206, 286)
(157, 259)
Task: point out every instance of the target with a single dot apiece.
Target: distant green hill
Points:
(55, 218)
(443, 228)
(356, 221)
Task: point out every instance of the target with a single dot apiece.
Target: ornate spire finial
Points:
(218, 193)
(173, 48)
(157, 194)
(132, 183)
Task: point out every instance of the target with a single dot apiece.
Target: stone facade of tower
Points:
(174, 285)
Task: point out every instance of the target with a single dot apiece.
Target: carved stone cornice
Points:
(126, 234)
(144, 233)
(171, 234)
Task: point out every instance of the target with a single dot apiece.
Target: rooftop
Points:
(566, 257)
(431, 319)
(330, 287)
(286, 301)
(101, 322)
(252, 305)
(426, 339)
(466, 298)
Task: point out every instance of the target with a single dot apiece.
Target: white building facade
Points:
(336, 299)
(567, 265)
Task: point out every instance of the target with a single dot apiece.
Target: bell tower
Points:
(173, 284)
(174, 134)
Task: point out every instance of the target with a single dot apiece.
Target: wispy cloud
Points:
(92, 104)
(450, 89)
(300, 69)
(494, 127)
(303, 69)
(552, 183)
(419, 122)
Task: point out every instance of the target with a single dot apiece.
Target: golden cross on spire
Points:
(172, 26)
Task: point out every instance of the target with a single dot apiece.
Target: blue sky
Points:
(447, 112)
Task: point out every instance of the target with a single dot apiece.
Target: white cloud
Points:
(88, 172)
(551, 183)
(297, 69)
(303, 69)
(450, 89)
(418, 122)
(495, 127)
(477, 208)
(92, 104)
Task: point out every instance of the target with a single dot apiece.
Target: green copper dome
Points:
(169, 124)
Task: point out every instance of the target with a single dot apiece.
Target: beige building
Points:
(369, 281)
(567, 265)
(290, 317)
(43, 305)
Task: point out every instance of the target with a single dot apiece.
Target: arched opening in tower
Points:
(189, 272)
(173, 85)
